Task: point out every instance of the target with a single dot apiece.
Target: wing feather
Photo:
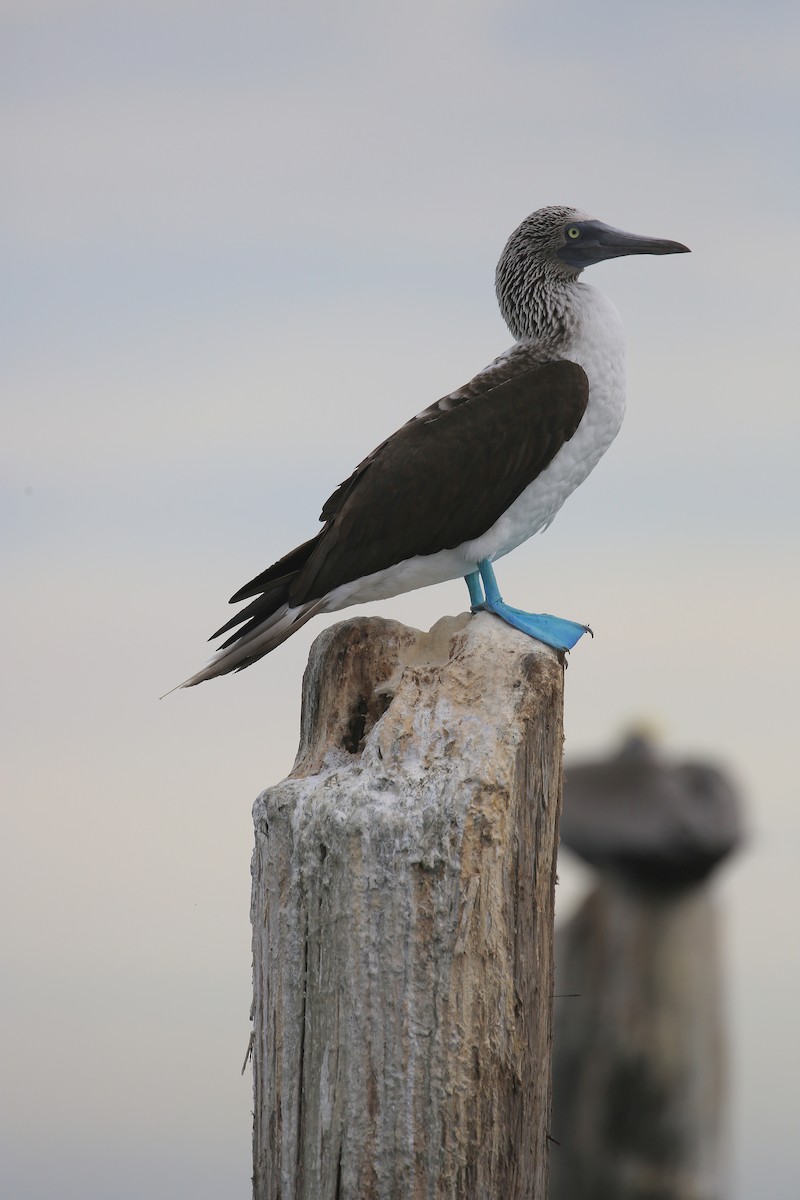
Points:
(503, 428)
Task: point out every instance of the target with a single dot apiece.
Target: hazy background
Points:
(242, 243)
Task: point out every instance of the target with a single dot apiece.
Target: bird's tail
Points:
(264, 623)
(243, 649)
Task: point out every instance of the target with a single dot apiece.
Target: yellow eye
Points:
(573, 232)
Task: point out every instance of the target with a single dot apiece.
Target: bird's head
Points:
(553, 245)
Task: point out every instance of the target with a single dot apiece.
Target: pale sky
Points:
(241, 244)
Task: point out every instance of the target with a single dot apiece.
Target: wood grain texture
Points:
(402, 914)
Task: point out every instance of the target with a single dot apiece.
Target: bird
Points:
(477, 473)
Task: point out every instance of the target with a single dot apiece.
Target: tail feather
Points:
(290, 565)
(260, 609)
(266, 622)
(253, 644)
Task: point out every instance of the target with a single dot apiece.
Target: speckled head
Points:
(548, 251)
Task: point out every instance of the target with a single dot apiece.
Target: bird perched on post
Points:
(480, 471)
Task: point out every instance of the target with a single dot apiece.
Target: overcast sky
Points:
(242, 243)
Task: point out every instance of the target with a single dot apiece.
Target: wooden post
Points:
(639, 1069)
(639, 1063)
(402, 911)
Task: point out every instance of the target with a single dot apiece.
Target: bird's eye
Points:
(573, 232)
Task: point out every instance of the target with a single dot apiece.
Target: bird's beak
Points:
(598, 242)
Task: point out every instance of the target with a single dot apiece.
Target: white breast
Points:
(597, 343)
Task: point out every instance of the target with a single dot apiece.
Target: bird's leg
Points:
(473, 582)
(553, 631)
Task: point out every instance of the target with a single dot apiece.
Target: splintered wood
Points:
(402, 913)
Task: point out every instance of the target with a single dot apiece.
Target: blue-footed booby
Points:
(480, 471)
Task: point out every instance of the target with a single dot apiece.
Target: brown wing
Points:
(447, 475)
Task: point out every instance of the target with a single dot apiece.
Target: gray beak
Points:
(598, 242)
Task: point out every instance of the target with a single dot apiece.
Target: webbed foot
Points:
(553, 631)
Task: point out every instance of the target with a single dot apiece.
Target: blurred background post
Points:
(640, 1070)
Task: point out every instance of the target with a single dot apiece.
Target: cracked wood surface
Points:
(402, 913)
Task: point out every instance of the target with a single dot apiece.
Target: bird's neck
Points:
(542, 309)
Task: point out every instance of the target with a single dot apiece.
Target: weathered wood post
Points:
(402, 910)
(639, 1061)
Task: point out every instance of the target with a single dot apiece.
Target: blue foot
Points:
(553, 631)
